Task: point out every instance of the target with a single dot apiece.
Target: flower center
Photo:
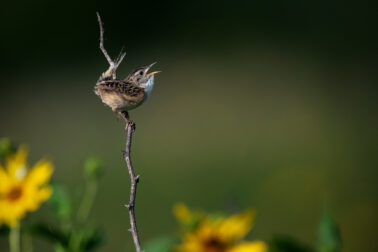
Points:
(214, 245)
(14, 194)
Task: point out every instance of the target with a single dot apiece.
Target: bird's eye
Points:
(141, 72)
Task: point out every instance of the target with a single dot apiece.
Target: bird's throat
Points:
(148, 85)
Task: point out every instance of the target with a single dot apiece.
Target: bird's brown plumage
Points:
(119, 94)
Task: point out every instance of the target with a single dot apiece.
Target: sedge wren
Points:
(123, 95)
(127, 94)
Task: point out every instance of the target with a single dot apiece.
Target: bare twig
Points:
(113, 65)
(130, 127)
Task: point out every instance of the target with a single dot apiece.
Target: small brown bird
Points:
(127, 94)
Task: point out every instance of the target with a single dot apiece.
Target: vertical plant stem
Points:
(130, 127)
(87, 202)
(14, 238)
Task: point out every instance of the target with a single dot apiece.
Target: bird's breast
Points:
(119, 101)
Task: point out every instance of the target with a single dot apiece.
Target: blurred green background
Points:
(266, 104)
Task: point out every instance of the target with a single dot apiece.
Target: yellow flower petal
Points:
(16, 164)
(182, 212)
(40, 173)
(255, 246)
(191, 244)
(34, 197)
(237, 226)
(4, 180)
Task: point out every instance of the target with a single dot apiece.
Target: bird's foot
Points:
(130, 124)
(126, 118)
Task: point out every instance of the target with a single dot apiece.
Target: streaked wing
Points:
(125, 89)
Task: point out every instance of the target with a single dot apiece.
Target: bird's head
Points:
(141, 77)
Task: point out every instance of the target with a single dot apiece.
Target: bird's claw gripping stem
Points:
(131, 124)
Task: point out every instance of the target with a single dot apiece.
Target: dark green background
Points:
(270, 104)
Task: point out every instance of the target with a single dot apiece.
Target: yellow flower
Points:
(182, 212)
(220, 234)
(22, 190)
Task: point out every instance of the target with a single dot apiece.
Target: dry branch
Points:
(130, 128)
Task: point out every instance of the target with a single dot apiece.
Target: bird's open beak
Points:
(153, 73)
